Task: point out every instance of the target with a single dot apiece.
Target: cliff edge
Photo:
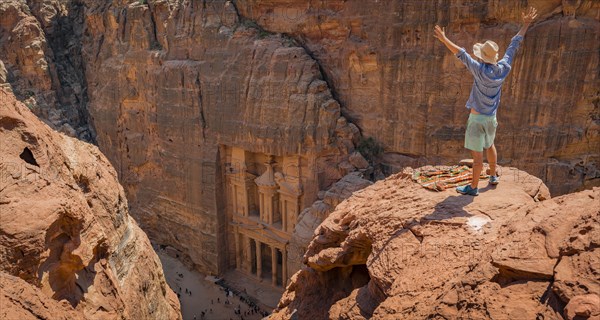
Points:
(397, 250)
(65, 231)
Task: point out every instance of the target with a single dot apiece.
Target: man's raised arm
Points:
(459, 52)
(441, 35)
(511, 51)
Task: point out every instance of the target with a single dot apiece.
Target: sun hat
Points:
(487, 51)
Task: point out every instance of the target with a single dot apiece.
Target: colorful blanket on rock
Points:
(442, 179)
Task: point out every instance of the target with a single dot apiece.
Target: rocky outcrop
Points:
(313, 216)
(583, 307)
(20, 300)
(40, 44)
(397, 250)
(66, 231)
(399, 85)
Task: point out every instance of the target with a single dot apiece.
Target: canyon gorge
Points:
(236, 128)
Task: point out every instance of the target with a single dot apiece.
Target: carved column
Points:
(249, 202)
(284, 267)
(258, 260)
(289, 198)
(238, 259)
(261, 205)
(290, 190)
(274, 265)
(267, 192)
(284, 212)
(247, 255)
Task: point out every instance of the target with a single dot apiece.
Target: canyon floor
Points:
(207, 294)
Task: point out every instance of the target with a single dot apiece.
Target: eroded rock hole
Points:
(83, 182)
(28, 157)
(360, 276)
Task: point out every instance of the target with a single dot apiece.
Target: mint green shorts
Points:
(481, 131)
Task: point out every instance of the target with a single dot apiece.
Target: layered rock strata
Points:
(193, 100)
(200, 106)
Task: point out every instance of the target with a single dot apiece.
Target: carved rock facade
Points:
(221, 132)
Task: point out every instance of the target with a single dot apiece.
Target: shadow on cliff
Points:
(66, 273)
(453, 206)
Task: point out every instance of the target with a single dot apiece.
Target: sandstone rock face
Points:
(21, 300)
(396, 250)
(67, 232)
(398, 84)
(184, 93)
(172, 87)
(583, 307)
(313, 216)
(40, 44)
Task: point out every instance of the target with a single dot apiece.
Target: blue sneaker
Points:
(468, 190)
(494, 180)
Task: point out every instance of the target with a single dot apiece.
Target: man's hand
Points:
(529, 15)
(440, 33)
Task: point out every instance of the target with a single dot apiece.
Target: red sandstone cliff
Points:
(189, 82)
(395, 250)
(398, 84)
(65, 231)
(40, 55)
(172, 87)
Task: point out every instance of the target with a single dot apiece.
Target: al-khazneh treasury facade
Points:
(264, 195)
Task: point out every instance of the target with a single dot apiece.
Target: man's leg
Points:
(492, 157)
(477, 167)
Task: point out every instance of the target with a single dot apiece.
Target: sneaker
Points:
(467, 190)
(494, 180)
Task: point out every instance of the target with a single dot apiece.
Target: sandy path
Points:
(205, 294)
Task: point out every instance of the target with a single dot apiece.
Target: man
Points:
(485, 96)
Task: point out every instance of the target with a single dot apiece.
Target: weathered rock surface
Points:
(40, 44)
(20, 300)
(313, 216)
(65, 230)
(398, 84)
(172, 85)
(583, 307)
(396, 250)
(189, 81)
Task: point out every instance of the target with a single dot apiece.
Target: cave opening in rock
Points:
(28, 157)
(360, 276)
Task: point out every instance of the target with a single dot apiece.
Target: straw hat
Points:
(488, 51)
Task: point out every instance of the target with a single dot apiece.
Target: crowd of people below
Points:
(251, 307)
